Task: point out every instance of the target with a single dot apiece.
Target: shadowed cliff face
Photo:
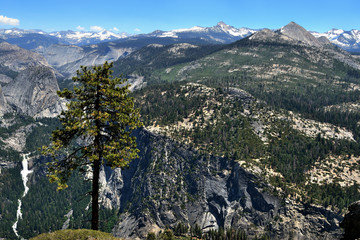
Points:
(351, 222)
(172, 183)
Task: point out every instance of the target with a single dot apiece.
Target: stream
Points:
(24, 175)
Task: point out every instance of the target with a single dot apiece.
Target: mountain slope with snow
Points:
(84, 38)
(221, 33)
(37, 39)
(347, 40)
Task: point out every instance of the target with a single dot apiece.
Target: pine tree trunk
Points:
(96, 170)
(95, 196)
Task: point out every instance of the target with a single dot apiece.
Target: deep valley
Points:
(258, 132)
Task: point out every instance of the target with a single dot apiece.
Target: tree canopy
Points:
(96, 129)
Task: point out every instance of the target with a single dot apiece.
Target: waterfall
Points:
(24, 175)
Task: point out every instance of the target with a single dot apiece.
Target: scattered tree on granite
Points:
(181, 229)
(196, 231)
(96, 129)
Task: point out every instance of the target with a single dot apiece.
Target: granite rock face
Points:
(172, 183)
(111, 183)
(33, 92)
(292, 33)
(16, 59)
(29, 84)
(298, 33)
(67, 59)
(4, 107)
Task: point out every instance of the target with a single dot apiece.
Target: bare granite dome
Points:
(299, 33)
(33, 92)
(29, 84)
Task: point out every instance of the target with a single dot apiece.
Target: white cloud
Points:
(80, 28)
(115, 29)
(137, 30)
(96, 28)
(8, 21)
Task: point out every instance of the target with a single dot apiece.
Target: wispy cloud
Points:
(96, 28)
(115, 29)
(137, 30)
(80, 28)
(8, 21)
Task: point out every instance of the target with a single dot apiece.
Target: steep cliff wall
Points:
(4, 107)
(172, 183)
(33, 92)
(28, 82)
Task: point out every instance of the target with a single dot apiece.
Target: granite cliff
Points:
(172, 183)
(29, 83)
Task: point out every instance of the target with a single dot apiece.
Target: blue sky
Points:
(144, 16)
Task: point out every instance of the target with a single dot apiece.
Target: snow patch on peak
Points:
(193, 29)
(232, 31)
(221, 27)
(336, 31)
(103, 35)
(348, 40)
(79, 37)
(168, 34)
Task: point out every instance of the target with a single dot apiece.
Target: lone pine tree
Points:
(96, 129)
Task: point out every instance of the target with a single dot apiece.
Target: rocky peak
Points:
(299, 33)
(222, 25)
(292, 33)
(230, 30)
(323, 40)
(265, 34)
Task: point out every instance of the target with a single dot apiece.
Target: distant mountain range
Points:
(35, 39)
(221, 33)
(348, 40)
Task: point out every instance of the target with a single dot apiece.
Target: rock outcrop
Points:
(67, 59)
(351, 222)
(172, 183)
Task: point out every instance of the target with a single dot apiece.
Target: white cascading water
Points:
(24, 174)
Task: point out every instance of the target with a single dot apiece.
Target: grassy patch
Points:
(78, 234)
